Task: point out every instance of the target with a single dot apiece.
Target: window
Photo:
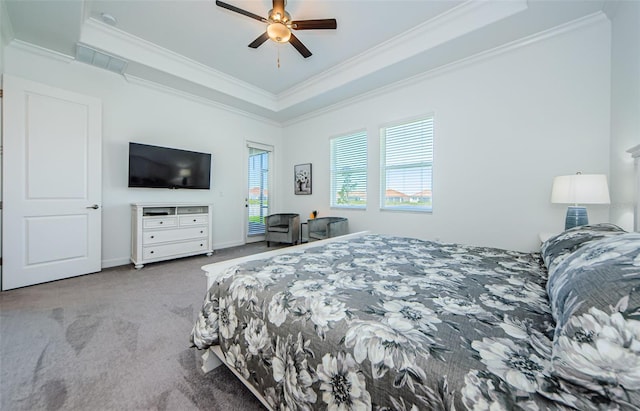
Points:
(349, 171)
(258, 196)
(406, 166)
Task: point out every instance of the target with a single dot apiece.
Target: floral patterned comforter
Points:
(384, 323)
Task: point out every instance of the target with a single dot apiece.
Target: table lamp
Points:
(579, 189)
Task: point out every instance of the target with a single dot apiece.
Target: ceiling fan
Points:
(279, 25)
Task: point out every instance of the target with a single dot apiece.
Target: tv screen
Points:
(163, 167)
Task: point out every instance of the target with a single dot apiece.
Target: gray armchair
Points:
(326, 227)
(282, 228)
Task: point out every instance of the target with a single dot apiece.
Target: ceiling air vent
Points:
(100, 59)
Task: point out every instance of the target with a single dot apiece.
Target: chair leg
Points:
(267, 244)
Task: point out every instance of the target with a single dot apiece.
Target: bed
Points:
(369, 321)
(386, 322)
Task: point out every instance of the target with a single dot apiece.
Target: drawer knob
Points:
(200, 245)
(201, 232)
(151, 252)
(161, 222)
(153, 236)
(194, 220)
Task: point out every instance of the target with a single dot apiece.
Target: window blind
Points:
(407, 166)
(258, 196)
(349, 171)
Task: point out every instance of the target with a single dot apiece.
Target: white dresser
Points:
(162, 231)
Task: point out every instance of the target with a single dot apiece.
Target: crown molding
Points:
(54, 55)
(460, 20)
(574, 25)
(423, 37)
(132, 48)
(40, 51)
(198, 99)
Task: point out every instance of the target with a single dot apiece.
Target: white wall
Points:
(6, 33)
(504, 127)
(505, 124)
(625, 108)
(137, 113)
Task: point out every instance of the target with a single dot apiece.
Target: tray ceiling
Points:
(195, 47)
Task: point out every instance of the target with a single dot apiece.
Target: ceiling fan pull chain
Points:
(278, 48)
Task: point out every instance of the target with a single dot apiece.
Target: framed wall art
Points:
(302, 178)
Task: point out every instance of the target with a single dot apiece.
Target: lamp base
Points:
(576, 216)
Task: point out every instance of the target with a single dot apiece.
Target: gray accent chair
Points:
(326, 227)
(282, 228)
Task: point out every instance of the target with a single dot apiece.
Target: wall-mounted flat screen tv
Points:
(164, 167)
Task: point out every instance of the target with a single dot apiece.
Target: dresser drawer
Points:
(157, 222)
(167, 250)
(176, 234)
(193, 219)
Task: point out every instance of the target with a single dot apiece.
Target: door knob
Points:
(95, 206)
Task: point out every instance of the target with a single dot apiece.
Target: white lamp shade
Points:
(580, 189)
(278, 32)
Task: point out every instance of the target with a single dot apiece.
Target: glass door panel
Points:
(257, 201)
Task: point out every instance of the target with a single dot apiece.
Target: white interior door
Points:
(51, 183)
(257, 204)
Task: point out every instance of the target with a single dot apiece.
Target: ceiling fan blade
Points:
(239, 10)
(299, 46)
(314, 24)
(258, 42)
(278, 6)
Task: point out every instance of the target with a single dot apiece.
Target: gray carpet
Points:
(115, 340)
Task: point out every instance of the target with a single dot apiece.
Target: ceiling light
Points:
(278, 32)
(276, 16)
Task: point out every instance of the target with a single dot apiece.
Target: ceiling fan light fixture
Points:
(279, 25)
(277, 17)
(278, 32)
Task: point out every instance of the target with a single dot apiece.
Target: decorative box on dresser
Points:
(163, 231)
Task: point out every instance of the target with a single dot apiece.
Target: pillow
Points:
(595, 297)
(559, 247)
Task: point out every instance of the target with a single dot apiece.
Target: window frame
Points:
(428, 117)
(364, 169)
